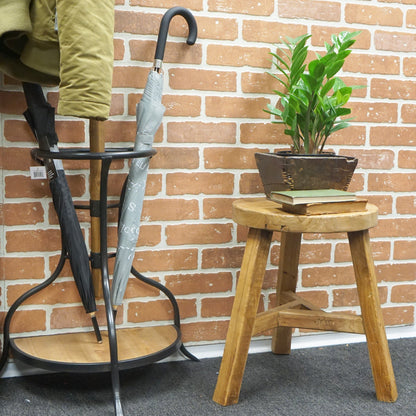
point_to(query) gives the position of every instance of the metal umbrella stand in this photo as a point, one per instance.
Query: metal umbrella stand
(149, 113)
(40, 115)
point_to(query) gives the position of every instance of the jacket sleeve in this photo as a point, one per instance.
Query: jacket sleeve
(85, 30)
(29, 49)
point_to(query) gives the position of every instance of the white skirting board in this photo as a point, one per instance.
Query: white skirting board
(17, 369)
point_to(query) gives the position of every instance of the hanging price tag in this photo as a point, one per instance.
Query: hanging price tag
(37, 172)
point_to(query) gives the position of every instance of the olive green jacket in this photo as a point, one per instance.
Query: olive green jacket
(63, 42)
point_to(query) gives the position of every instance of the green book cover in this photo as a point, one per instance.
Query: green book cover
(312, 195)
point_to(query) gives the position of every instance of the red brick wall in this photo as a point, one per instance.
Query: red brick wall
(214, 95)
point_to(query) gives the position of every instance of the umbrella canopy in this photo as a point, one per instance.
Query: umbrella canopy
(40, 116)
(149, 113)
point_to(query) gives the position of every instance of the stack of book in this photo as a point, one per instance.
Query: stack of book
(318, 201)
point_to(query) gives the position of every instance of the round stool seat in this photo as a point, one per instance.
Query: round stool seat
(264, 214)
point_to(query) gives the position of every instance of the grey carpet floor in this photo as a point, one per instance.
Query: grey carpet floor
(328, 381)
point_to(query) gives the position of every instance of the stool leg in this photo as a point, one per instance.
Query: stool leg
(243, 316)
(378, 348)
(286, 280)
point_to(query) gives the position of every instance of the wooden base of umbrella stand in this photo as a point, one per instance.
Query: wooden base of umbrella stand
(79, 352)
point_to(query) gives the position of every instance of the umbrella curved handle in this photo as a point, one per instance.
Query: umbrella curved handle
(164, 27)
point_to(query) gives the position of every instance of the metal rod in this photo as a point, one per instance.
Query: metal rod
(112, 336)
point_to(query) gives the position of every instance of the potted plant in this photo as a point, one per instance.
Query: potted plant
(312, 107)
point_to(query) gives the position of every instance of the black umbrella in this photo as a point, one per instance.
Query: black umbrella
(41, 117)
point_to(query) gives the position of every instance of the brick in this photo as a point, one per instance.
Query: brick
(200, 132)
(191, 4)
(16, 158)
(175, 158)
(144, 50)
(204, 331)
(392, 182)
(305, 9)
(325, 276)
(349, 297)
(322, 34)
(371, 159)
(160, 310)
(398, 315)
(372, 64)
(384, 203)
(394, 41)
(170, 209)
(407, 159)
(228, 257)
(17, 131)
(237, 56)
(230, 158)
(270, 32)
(409, 66)
(403, 293)
(398, 272)
(185, 284)
(117, 105)
(12, 102)
(256, 8)
(133, 22)
(373, 15)
(250, 183)
(397, 227)
(393, 89)
(351, 136)
(406, 205)
(216, 306)
(184, 234)
(62, 292)
(129, 77)
(263, 133)
(138, 289)
(398, 1)
(33, 240)
(67, 131)
(217, 207)
(166, 260)
(28, 213)
(253, 82)
(411, 19)
(22, 267)
(404, 250)
(125, 131)
(392, 136)
(119, 49)
(217, 28)
(408, 113)
(380, 251)
(236, 107)
(202, 80)
(28, 321)
(374, 112)
(198, 183)
(309, 254)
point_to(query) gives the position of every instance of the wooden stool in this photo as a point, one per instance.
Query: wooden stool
(263, 217)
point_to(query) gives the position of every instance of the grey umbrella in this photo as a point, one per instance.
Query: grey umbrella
(149, 113)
